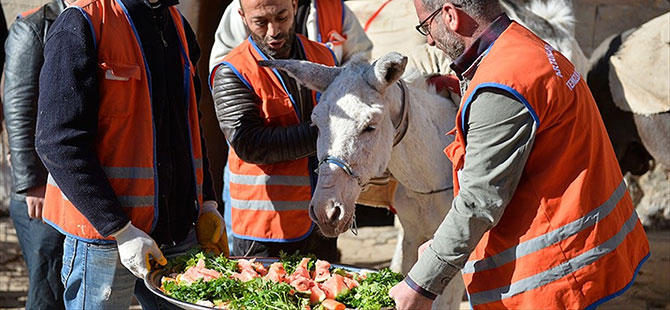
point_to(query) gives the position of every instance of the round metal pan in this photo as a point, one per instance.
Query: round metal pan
(153, 281)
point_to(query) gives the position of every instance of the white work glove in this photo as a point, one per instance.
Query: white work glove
(211, 229)
(137, 250)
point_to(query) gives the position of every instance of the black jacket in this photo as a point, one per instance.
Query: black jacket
(23, 49)
(238, 111)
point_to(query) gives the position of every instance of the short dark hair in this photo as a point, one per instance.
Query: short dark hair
(486, 10)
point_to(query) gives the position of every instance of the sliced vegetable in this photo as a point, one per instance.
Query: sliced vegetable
(331, 304)
(208, 279)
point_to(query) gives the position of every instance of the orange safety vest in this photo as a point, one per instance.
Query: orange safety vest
(329, 20)
(125, 137)
(570, 237)
(270, 202)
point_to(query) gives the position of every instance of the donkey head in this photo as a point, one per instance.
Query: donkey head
(355, 131)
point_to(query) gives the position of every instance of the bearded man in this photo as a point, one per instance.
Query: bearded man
(265, 116)
(541, 218)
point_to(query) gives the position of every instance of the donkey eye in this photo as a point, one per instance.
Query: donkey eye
(370, 128)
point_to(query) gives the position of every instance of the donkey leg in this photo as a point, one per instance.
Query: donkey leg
(413, 234)
(396, 261)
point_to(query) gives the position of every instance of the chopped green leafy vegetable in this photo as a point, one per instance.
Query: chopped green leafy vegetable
(261, 293)
(373, 292)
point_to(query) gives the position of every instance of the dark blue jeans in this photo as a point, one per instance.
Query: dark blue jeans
(42, 248)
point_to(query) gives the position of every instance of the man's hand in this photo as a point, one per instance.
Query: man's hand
(137, 250)
(35, 201)
(445, 82)
(211, 229)
(407, 298)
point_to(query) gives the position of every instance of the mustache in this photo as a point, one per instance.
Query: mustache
(281, 36)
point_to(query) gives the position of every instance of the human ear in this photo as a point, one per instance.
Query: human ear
(450, 16)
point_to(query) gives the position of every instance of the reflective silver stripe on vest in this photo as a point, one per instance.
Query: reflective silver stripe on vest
(129, 172)
(126, 201)
(552, 237)
(52, 182)
(266, 205)
(269, 180)
(557, 272)
(136, 201)
(198, 163)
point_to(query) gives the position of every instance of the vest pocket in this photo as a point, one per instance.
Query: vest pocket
(119, 83)
(115, 71)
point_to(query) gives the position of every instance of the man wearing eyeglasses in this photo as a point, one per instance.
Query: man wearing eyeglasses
(541, 216)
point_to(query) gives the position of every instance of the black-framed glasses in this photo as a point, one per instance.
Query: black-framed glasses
(424, 26)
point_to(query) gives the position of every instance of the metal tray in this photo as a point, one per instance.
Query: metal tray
(153, 281)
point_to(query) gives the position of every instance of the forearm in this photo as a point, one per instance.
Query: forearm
(68, 119)
(500, 137)
(253, 141)
(22, 67)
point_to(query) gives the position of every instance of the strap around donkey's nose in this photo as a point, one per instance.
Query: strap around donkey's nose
(340, 163)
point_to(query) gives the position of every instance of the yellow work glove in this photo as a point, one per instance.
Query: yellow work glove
(211, 229)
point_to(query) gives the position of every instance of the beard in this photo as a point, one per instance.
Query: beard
(284, 51)
(447, 41)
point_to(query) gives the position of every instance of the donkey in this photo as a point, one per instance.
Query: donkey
(371, 121)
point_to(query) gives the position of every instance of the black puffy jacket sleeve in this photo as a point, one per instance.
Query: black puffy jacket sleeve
(238, 111)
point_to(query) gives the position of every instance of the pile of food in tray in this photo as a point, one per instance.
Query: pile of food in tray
(290, 282)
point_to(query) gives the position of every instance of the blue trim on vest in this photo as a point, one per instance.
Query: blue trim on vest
(316, 21)
(237, 72)
(295, 106)
(343, 10)
(621, 291)
(332, 53)
(506, 88)
(90, 23)
(153, 122)
(301, 238)
(62, 231)
(187, 103)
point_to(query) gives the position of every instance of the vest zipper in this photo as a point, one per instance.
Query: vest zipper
(163, 38)
(158, 23)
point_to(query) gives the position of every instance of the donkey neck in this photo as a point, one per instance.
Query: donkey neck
(418, 161)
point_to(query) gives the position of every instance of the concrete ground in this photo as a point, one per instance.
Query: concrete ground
(373, 247)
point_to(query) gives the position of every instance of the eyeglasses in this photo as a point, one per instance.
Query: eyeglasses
(424, 27)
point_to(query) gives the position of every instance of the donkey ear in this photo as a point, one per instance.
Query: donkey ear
(386, 70)
(315, 76)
